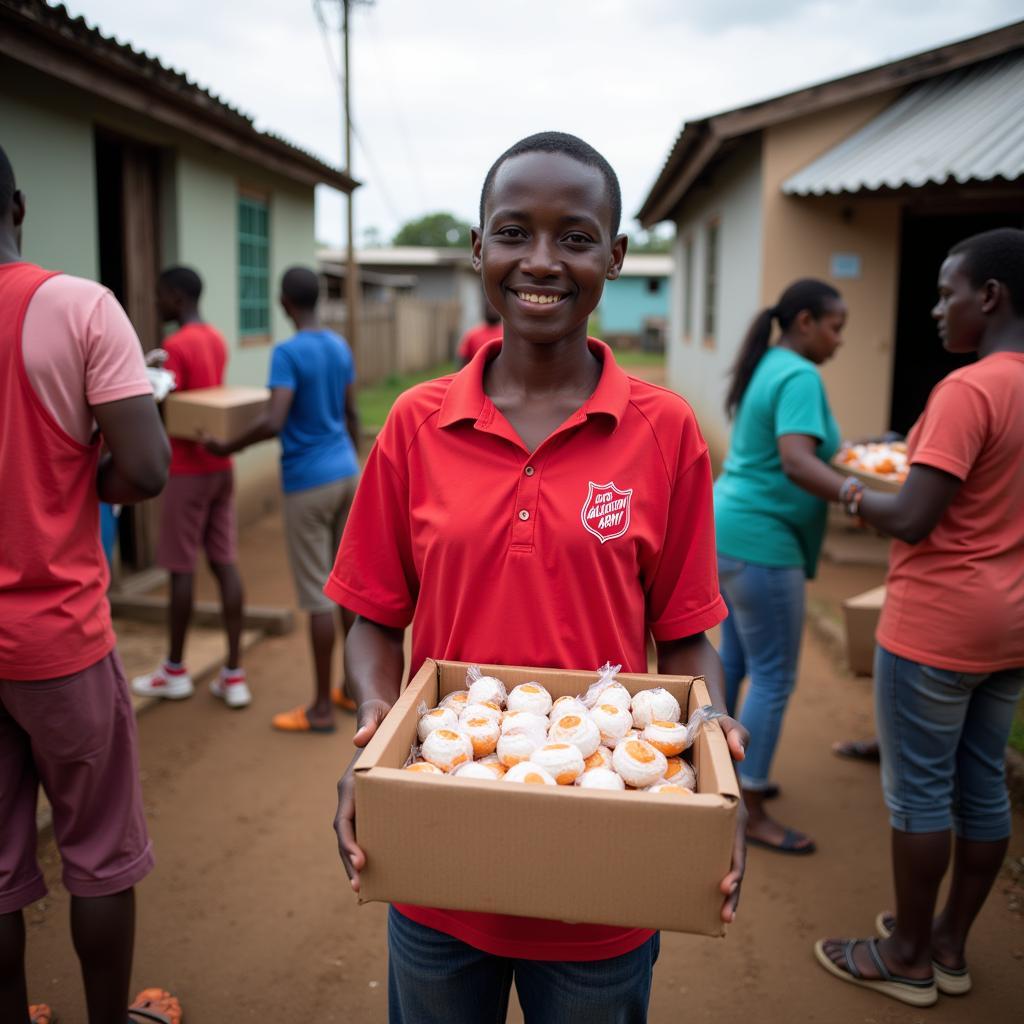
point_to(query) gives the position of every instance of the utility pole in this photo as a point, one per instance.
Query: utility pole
(352, 289)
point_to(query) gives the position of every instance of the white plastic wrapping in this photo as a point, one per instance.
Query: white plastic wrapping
(527, 771)
(529, 697)
(435, 718)
(654, 705)
(668, 737)
(579, 730)
(484, 688)
(600, 778)
(563, 760)
(638, 763)
(447, 748)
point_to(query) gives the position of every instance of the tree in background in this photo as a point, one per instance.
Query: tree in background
(657, 240)
(443, 229)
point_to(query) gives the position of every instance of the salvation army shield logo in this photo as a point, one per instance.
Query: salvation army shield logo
(605, 513)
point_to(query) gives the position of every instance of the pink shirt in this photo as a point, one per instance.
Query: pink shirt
(80, 349)
(956, 600)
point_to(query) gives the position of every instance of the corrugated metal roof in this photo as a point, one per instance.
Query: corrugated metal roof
(964, 126)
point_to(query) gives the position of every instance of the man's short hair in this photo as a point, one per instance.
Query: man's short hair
(301, 287)
(996, 255)
(571, 146)
(7, 185)
(184, 280)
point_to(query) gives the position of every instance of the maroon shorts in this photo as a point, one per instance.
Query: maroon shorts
(76, 736)
(198, 508)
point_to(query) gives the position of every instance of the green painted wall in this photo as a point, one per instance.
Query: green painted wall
(51, 151)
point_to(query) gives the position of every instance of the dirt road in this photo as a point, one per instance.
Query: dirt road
(248, 915)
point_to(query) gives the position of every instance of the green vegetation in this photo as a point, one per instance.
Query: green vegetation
(440, 229)
(1017, 731)
(637, 357)
(374, 401)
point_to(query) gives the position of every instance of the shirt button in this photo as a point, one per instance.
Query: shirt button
(529, 471)
(524, 515)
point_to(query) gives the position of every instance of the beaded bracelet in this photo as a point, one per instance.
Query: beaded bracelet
(851, 492)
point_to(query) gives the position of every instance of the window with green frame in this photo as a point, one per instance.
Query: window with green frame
(253, 266)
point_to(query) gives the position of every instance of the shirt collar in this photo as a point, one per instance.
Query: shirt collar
(465, 398)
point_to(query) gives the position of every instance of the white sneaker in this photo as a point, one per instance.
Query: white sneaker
(164, 682)
(231, 688)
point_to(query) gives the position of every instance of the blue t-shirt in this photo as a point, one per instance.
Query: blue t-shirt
(761, 516)
(315, 445)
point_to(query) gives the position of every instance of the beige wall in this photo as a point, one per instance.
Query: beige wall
(697, 367)
(801, 234)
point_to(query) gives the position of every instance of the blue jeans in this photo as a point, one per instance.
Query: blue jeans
(943, 740)
(762, 636)
(434, 978)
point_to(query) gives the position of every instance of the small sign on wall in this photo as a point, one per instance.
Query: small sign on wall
(845, 266)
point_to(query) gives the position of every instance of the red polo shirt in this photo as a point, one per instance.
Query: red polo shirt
(565, 557)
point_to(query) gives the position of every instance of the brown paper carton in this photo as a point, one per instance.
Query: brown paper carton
(632, 859)
(221, 413)
(862, 613)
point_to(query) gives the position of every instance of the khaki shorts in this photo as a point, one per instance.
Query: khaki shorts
(313, 523)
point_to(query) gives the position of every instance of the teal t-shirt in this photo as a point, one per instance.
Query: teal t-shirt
(760, 515)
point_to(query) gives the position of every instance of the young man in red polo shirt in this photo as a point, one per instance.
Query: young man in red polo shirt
(199, 503)
(71, 373)
(468, 515)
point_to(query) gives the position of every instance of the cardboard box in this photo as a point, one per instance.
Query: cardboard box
(618, 858)
(222, 413)
(862, 613)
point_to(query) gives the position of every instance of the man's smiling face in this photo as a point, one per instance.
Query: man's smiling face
(546, 247)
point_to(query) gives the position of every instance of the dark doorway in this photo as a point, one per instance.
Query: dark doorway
(127, 209)
(920, 361)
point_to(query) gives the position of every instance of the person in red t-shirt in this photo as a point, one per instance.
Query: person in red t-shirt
(476, 337)
(949, 660)
(467, 522)
(199, 503)
(72, 383)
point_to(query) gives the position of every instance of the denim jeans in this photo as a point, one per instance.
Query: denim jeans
(761, 636)
(434, 978)
(943, 741)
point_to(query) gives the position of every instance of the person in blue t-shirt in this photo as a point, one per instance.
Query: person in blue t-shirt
(312, 410)
(769, 523)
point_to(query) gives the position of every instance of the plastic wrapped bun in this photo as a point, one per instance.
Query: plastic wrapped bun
(579, 730)
(600, 758)
(423, 768)
(600, 778)
(566, 706)
(639, 764)
(437, 718)
(482, 732)
(656, 705)
(457, 701)
(529, 697)
(668, 737)
(613, 722)
(484, 688)
(605, 677)
(669, 787)
(681, 772)
(492, 762)
(526, 720)
(447, 748)
(616, 694)
(527, 771)
(517, 746)
(563, 760)
(475, 770)
(488, 710)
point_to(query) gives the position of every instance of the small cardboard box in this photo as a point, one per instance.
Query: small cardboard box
(221, 413)
(631, 859)
(862, 613)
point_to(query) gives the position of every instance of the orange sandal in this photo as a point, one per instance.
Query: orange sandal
(342, 700)
(297, 720)
(156, 1006)
(40, 1014)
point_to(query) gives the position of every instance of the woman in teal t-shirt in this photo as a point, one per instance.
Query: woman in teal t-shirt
(770, 528)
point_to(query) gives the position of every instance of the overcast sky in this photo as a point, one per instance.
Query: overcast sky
(441, 88)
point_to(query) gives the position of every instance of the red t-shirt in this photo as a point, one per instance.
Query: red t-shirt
(566, 557)
(197, 355)
(476, 337)
(956, 600)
